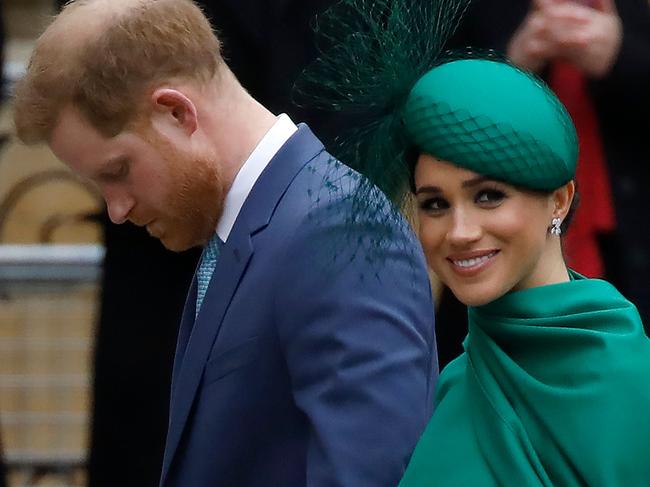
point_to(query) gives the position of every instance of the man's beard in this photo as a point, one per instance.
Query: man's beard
(195, 202)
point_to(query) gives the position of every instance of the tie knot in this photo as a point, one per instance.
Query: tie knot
(213, 248)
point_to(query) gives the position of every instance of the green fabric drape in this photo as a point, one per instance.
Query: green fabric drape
(553, 390)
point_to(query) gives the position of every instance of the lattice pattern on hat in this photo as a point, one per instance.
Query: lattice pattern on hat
(494, 150)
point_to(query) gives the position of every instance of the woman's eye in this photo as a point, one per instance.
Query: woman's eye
(434, 204)
(490, 196)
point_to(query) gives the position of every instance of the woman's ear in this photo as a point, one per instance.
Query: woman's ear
(174, 110)
(562, 199)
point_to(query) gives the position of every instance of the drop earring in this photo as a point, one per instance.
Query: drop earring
(555, 227)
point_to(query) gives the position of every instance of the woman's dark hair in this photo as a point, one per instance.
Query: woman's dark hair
(411, 157)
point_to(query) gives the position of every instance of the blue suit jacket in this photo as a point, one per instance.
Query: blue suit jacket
(312, 360)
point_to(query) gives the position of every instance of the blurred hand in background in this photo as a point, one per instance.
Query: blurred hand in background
(587, 34)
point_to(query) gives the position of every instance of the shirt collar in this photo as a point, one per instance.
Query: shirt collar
(266, 149)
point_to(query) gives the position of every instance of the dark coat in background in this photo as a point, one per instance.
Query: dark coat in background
(622, 102)
(144, 288)
(2, 96)
(267, 44)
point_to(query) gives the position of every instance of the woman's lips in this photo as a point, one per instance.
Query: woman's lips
(469, 264)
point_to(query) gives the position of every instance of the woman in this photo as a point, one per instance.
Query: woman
(553, 387)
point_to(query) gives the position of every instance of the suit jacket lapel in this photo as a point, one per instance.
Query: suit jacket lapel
(189, 363)
(187, 323)
(196, 338)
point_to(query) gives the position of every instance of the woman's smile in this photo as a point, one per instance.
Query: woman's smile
(470, 264)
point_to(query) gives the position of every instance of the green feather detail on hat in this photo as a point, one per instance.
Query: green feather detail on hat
(372, 52)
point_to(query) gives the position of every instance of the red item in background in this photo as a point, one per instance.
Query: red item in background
(595, 213)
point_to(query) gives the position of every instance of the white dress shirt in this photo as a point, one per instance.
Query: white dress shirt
(273, 140)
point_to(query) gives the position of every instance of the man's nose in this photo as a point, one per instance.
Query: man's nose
(119, 205)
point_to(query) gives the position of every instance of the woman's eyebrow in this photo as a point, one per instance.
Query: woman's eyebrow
(475, 181)
(428, 189)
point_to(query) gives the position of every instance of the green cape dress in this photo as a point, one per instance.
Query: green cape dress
(553, 390)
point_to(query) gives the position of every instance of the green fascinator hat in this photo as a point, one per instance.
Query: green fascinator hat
(383, 63)
(492, 118)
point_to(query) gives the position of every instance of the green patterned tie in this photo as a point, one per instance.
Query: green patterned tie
(206, 269)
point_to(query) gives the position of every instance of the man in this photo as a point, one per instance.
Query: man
(267, 45)
(306, 353)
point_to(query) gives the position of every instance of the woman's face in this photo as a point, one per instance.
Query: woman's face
(482, 237)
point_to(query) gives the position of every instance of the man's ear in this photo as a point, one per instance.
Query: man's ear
(174, 110)
(562, 199)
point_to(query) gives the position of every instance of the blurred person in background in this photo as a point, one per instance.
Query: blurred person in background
(320, 390)
(266, 44)
(595, 55)
(3, 88)
(3, 472)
